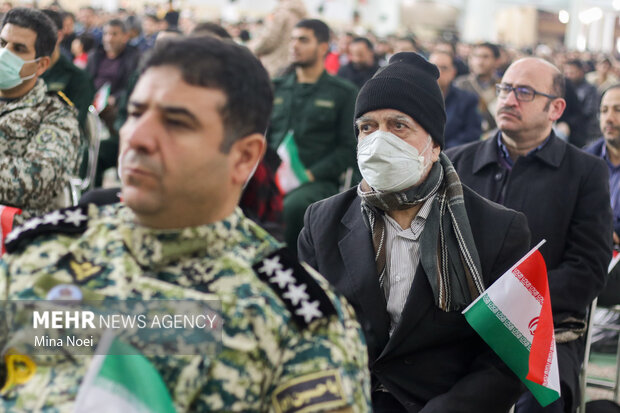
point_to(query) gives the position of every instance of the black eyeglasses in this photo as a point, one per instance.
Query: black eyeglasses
(522, 93)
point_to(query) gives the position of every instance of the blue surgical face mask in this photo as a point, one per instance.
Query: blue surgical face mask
(10, 66)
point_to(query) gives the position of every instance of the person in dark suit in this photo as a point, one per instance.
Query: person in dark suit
(363, 64)
(463, 121)
(564, 193)
(381, 244)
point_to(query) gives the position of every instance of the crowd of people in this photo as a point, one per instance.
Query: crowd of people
(343, 196)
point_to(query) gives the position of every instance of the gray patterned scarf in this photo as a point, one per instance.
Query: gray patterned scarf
(447, 250)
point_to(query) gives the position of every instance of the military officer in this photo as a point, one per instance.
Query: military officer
(192, 138)
(312, 112)
(39, 134)
(66, 77)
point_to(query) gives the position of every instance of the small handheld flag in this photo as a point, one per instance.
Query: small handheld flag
(123, 381)
(291, 173)
(514, 317)
(7, 215)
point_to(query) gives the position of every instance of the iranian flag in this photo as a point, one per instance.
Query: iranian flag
(120, 379)
(614, 260)
(291, 173)
(100, 100)
(7, 215)
(514, 317)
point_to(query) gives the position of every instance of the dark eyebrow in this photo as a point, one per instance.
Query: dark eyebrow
(138, 105)
(16, 45)
(171, 110)
(513, 85)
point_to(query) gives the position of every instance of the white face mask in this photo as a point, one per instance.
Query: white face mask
(388, 163)
(10, 67)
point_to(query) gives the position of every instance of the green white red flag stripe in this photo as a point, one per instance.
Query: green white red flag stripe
(122, 380)
(100, 101)
(614, 260)
(291, 173)
(513, 316)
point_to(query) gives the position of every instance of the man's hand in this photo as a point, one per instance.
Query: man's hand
(616, 238)
(310, 175)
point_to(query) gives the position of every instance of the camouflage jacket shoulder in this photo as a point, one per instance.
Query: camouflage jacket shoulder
(39, 141)
(266, 358)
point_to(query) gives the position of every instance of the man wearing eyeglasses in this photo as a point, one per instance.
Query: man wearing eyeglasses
(563, 192)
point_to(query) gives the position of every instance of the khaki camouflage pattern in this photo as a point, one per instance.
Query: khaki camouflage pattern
(39, 146)
(262, 348)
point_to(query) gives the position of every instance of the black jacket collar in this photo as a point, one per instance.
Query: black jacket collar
(551, 154)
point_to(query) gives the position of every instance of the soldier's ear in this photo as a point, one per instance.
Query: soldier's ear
(244, 155)
(43, 64)
(323, 48)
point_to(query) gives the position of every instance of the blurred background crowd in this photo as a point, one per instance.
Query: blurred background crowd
(472, 42)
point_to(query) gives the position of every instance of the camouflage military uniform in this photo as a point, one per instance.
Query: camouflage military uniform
(39, 146)
(271, 346)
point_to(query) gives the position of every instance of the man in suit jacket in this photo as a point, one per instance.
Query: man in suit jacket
(382, 244)
(563, 192)
(463, 121)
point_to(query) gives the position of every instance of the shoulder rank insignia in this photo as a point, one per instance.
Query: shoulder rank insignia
(62, 97)
(301, 293)
(73, 220)
(82, 272)
(310, 393)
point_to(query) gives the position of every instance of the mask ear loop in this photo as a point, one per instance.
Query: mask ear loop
(247, 181)
(35, 72)
(428, 144)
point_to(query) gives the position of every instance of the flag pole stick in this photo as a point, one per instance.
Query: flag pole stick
(526, 256)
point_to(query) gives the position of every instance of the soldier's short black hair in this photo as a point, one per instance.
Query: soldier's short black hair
(491, 46)
(318, 27)
(363, 40)
(66, 14)
(87, 40)
(39, 23)
(226, 66)
(117, 23)
(409, 38)
(210, 28)
(151, 16)
(576, 63)
(54, 16)
(450, 55)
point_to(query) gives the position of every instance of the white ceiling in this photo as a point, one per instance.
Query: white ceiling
(552, 5)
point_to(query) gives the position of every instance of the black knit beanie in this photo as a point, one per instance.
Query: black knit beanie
(408, 84)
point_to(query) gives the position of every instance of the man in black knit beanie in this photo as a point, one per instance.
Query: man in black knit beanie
(410, 248)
